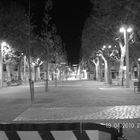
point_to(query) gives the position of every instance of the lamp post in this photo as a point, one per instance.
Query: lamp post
(126, 30)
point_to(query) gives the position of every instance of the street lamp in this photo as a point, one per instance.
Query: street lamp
(103, 47)
(125, 30)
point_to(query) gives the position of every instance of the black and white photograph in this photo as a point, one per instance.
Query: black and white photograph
(69, 69)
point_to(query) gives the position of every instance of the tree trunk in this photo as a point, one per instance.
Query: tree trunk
(79, 72)
(19, 70)
(55, 75)
(101, 69)
(38, 73)
(106, 71)
(121, 78)
(98, 70)
(109, 73)
(46, 79)
(132, 69)
(30, 68)
(31, 83)
(8, 72)
(35, 73)
(24, 69)
(60, 73)
(96, 73)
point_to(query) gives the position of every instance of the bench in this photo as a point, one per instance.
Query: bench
(14, 83)
(136, 85)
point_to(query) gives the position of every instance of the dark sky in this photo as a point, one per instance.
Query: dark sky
(69, 17)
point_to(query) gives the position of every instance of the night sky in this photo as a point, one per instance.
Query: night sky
(69, 17)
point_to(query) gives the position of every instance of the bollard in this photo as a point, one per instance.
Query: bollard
(32, 90)
(122, 81)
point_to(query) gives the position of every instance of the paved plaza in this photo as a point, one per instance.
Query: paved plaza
(80, 113)
(84, 101)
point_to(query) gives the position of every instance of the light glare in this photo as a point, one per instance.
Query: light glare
(122, 29)
(129, 30)
(3, 44)
(104, 47)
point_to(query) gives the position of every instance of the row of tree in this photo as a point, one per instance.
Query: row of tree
(18, 27)
(101, 39)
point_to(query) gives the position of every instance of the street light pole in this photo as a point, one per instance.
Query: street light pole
(127, 59)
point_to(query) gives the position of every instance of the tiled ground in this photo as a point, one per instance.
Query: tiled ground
(83, 113)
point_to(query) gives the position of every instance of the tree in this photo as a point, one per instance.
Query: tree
(104, 22)
(50, 42)
(16, 29)
(14, 25)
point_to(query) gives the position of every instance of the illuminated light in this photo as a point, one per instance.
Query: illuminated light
(62, 63)
(129, 30)
(138, 59)
(33, 63)
(104, 47)
(5, 47)
(3, 44)
(97, 54)
(38, 59)
(122, 29)
(41, 63)
(109, 46)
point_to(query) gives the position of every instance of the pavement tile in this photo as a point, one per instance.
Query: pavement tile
(83, 113)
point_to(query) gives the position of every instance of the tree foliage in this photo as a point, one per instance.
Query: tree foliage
(106, 17)
(21, 30)
(14, 27)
